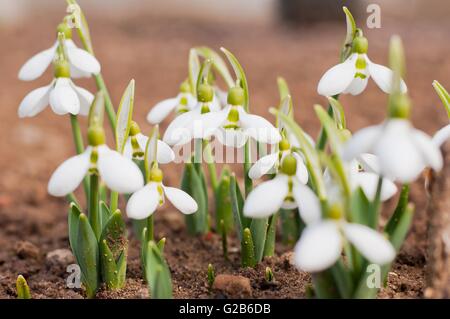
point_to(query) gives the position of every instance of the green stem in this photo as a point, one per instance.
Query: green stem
(322, 141)
(71, 198)
(94, 217)
(150, 228)
(247, 166)
(198, 149)
(108, 104)
(375, 207)
(114, 200)
(211, 165)
(79, 146)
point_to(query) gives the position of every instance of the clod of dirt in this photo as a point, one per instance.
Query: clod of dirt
(230, 286)
(57, 260)
(27, 250)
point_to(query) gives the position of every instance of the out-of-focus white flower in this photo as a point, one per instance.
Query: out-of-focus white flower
(321, 244)
(119, 173)
(361, 172)
(82, 63)
(352, 75)
(144, 202)
(137, 142)
(441, 136)
(285, 190)
(62, 95)
(402, 151)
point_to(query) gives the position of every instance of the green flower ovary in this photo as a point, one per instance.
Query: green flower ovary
(65, 29)
(289, 165)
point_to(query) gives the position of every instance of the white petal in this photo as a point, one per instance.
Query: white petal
(161, 109)
(308, 203)
(222, 96)
(361, 142)
(441, 136)
(369, 183)
(144, 202)
(36, 65)
(208, 123)
(357, 85)
(431, 153)
(231, 137)
(165, 153)
(81, 59)
(263, 165)
(118, 172)
(128, 149)
(85, 97)
(383, 77)
(76, 73)
(181, 200)
(371, 244)
(319, 247)
(69, 174)
(63, 98)
(302, 171)
(400, 158)
(34, 102)
(258, 128)
(267, 198)
(215, 104)
(179, 130)
(338, 78)
(369, 163)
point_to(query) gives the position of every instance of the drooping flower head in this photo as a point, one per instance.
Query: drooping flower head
(119, 173)
(136, 143)
(352, 75)
(81, 62)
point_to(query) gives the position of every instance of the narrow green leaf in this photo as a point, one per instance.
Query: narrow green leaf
(223, 202)
(359, 206)
(211, 276)
(217, 62)
(237, 204)
(258, 228)
(73, 221)
(269, 245)
(324, 285)
(157, 273)
(443, 95)
(329, 125)
(247, 249)
(194, 69)
(96, 111)
(105, 214)
(109, 268)
(343, 279)
(283, 88)
(88, 256)
(224, 235)
(124, 115)
(338, 113)
(23, 291)
(290, 226)
(161, 244)
(349, 35)
(240, 76)
(203, 73)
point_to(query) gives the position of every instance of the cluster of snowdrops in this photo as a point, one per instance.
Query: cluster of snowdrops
(326, 193)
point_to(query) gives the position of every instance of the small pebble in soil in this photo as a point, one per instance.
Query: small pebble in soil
(57, 260)
(230, 286)
(27, 250)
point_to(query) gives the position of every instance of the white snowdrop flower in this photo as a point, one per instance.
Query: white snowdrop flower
(233, 126)
(62, 95)
(82, 63)
(195, 123)
(285, 190)
(119, 173)
(272, 162)
(145, 201)
(352, 75)
(136, 143)
(321, 243)
(441, 136)
(402, 151)
(361, 172)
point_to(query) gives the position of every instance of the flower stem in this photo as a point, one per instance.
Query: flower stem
(211, 165)
(247, 165)
(79, 146)
(375, 207)
(108, 104)
(114, 199)
(94, 216)
(198, 148)
(322, 141)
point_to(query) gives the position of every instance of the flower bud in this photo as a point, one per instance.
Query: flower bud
(64, 29)
(156, 175)
(284, 145)
(205, 93)
(61, 68)
(360, 45)
(134, 128)
(399, 106)
(289, 165)
(185, 87)
(235, 96)
(96, 135)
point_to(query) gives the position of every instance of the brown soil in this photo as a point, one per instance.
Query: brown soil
(154, 52)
